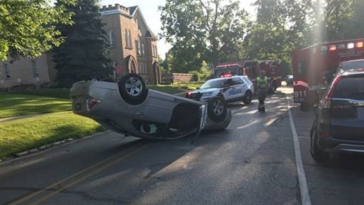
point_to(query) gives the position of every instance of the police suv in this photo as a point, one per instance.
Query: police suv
(231, 89)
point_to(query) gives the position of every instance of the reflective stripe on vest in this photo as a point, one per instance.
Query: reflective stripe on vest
(262, 83)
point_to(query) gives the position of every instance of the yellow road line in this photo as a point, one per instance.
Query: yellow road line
(17, 202)
(85, 177)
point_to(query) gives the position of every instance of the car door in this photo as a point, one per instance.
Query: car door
(248, 85)
(239, 88)
(228, 89)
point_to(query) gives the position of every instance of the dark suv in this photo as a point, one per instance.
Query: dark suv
(339, 122)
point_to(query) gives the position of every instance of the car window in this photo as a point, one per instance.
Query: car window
(352, 65)
(351, 87)
(213, 84)
(238, 81)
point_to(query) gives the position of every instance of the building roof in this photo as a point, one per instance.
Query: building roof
(128, 12)
(133, 11)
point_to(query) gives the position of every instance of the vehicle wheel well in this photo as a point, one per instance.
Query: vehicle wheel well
(184, 117)
(220, 95)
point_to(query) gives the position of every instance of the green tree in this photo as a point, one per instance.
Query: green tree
(267, 36)
(27, 27)
(84, 54)
(281, 26)
(352, 27)
(199, 30)
(337, 14)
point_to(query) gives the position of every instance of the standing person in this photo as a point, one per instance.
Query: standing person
(262, 88)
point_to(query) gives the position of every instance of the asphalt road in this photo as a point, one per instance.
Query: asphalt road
(252, 162)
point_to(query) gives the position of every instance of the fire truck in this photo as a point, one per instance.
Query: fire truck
(314, 66)
(251, 69)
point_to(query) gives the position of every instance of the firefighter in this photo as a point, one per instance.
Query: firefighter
(262, 88)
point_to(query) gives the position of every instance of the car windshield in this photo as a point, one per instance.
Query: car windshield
(353, 65)
(213, 84)
(351, 88)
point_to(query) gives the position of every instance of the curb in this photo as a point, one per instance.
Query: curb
(47, 147)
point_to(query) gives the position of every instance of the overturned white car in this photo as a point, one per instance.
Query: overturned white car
(130, 108)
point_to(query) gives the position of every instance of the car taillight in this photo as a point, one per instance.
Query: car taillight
(326, 102)
(189, 94)
(93, 103)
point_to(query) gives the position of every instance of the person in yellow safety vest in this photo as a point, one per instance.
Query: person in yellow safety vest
(262, 88)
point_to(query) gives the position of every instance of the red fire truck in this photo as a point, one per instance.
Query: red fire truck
(251, 69)
(313, 66)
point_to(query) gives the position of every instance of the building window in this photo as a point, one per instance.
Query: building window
(6, 71)
(35, 69)
(143, 50)
(128, 39)
(154, 51)
(139, 47)
(112, 38)
(143, 68)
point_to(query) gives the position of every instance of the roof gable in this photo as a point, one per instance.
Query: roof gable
(135, 9)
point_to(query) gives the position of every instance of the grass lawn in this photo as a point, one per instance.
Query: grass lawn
(49, 92)
(176, 87)
(166, 88)
(16, 105)
(21, 135)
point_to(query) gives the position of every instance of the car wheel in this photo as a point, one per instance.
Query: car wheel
(132, 89)
(316, 153)
(216, 109)
(248, 98)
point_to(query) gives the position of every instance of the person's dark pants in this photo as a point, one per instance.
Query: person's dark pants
(261, 94)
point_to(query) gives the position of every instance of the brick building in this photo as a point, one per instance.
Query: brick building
(133, 44)
(133, 48)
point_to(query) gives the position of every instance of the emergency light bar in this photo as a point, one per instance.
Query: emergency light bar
(359, 44)
(333, 48)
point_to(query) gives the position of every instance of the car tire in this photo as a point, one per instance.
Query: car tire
(132, 89)
(248, 98)
(216, 109)
(315, 151)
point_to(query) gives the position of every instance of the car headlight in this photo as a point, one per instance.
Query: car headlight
(208, 94)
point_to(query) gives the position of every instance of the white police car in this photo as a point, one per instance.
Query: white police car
(231, 89)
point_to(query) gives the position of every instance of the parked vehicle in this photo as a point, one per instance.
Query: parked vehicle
(128, 107)
(252, 69)
(231, 89)
(353, 64)
(315, 66)
(339, 122)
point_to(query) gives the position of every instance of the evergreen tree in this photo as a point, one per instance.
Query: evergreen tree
(84, 55)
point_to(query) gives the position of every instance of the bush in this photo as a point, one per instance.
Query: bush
(202, 75)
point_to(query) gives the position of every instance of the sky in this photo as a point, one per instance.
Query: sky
(151, 14)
